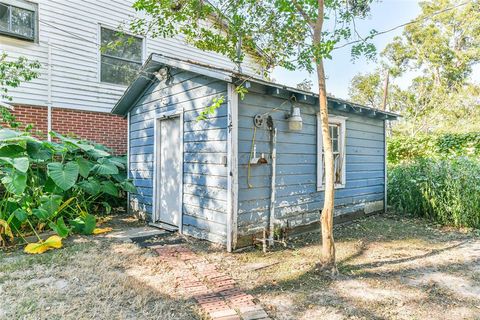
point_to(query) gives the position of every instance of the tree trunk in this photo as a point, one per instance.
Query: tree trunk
(328, 246)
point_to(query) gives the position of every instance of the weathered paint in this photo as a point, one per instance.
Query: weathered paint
(298, 201)
(205, 150)
(218, 203)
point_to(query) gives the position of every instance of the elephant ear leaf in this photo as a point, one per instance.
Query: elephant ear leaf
(90, 186)
(84, 224)
(59, 227)
(128, 186)
(20, 164)
(12, 151)
(105, 166)
(8, 134)
(38, 151)
(84, 166)
(15, 182)
(20, 214)
(53, 242)
(64, 175)
(110, 188)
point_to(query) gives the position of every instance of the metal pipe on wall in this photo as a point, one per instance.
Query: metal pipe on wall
(272, 196)
(49, 98)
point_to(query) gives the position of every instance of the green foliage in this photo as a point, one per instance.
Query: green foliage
(283, 30)
(56, 185)
(446, 191)
(404, 148)
(14, 72)
(441, 49)
(216, 103)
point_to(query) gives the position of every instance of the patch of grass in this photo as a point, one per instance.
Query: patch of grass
(90, 279)
(382, 260)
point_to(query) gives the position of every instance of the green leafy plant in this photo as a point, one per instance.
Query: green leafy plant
(444, 190)
(59, 185)
(403, 148)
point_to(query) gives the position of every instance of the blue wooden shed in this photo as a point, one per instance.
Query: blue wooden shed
(255, 164)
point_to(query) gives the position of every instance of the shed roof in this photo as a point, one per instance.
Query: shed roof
(156, 61)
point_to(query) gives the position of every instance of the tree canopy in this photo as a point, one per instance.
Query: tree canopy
(440, 49)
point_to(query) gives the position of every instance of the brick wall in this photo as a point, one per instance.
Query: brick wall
(107, 129)
(36, 116)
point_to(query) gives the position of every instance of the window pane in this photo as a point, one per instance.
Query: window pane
(118, 71)
(334, 132)
(4, 16)
(23, 22)
(338, 167)
(335, 145)
(121, 46)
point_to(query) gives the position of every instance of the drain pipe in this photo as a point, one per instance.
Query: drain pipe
(49, 98)
(272, 196)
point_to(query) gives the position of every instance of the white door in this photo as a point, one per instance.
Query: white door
(170, 170)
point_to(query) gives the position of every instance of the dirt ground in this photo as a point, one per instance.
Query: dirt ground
(390, 268)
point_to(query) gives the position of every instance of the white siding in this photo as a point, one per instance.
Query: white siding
(72, 29)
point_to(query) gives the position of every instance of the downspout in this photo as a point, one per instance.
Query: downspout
(232, 167)
(385, 166)
(272, 195)
(128, 160)
(49, 90)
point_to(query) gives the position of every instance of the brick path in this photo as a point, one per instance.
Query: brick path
(216, 292)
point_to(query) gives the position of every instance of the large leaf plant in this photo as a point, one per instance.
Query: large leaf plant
(57, 185)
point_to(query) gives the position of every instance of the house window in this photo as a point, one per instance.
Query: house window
(19, 19)
(337, 134)
(121, 56)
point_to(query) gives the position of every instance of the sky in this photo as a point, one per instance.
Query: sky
(340, 70)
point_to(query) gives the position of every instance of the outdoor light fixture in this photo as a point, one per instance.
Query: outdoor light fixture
(162, 74)
(295, 122)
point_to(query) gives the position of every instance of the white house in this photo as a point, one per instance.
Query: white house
(79, 84)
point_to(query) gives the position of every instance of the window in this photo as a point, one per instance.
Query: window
(121, 56)
(337, 133)
(18, 19)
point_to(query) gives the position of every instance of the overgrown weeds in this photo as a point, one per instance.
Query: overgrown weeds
(444, 190)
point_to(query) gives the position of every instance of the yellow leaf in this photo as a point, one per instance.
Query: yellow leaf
(101, 230)
(53, 242)
(5, 229)
(102, 220)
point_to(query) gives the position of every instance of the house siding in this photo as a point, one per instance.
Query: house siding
(71, 30)
(297, 200)
(205, 151)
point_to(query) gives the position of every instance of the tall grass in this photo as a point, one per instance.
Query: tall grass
(447, 191)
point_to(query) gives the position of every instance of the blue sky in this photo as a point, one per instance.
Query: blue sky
(340, 70)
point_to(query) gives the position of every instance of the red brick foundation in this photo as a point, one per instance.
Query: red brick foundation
(104, 128)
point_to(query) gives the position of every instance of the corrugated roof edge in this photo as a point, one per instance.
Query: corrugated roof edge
(155, 61)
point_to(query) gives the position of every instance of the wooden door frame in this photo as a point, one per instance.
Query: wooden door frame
(156, 159)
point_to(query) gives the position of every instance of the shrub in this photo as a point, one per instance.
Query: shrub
(405, 148)
(444, 190)
(56, 185)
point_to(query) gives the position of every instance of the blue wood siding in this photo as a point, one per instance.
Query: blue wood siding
(297, 199)
(205, 148)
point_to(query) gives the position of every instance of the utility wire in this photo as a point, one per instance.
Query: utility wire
(404, 24)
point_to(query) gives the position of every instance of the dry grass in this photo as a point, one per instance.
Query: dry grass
(390, 268)
(91, 278)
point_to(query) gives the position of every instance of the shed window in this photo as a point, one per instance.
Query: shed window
(337, 134)
(121, 56)
(19, 20)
